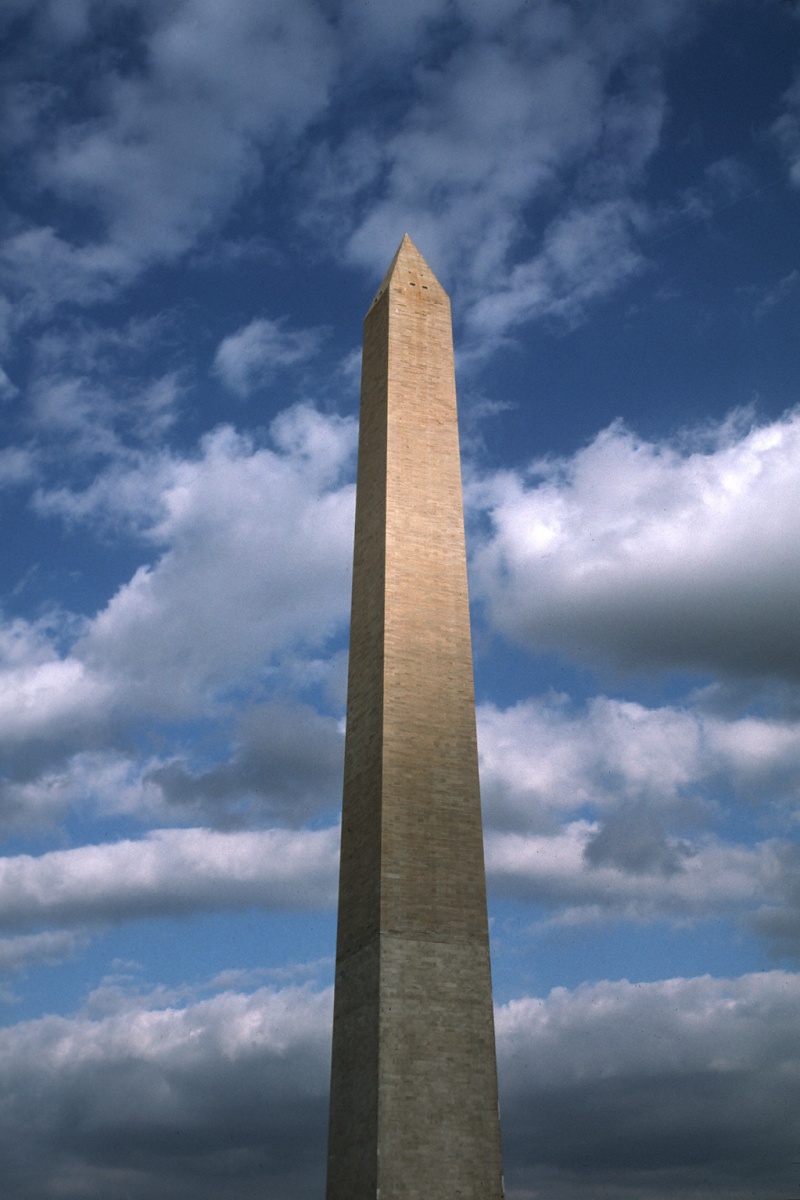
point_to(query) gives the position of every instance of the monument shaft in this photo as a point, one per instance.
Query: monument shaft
(413, 1079)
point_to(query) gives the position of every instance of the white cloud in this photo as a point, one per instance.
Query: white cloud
(258, 545)
(598, 814)
(647, 1089)
(16, 465)
(520, 104)
(171, 145)
(540, 105)
(286, 765)
(7, 389)
(44, 696)
(92, 389)
(463, 139)
(247, 359)
(653, 555)
(227, 1093)
(104, 782)
(258, 560)
(542, 759)
(617, 1089)
(44, 268)
(128, 496)
(96, 419)
(463, 143)
(27, 950)
(779, 920)
(585, 254)
(169, 871)
(616, 811)
(701, 880)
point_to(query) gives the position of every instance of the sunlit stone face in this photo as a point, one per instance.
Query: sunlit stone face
(413, 1086)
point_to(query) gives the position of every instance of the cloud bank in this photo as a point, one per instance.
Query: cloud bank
(655, 1083)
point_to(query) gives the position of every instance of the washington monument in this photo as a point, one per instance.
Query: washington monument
(413, 1078)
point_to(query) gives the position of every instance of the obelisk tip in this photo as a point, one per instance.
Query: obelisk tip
(407, 262)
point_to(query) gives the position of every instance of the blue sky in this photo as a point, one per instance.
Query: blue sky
(199, 202)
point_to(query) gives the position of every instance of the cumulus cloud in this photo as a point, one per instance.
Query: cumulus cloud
(547, 105)
(168, 872)
(582, 879)
(622, 1089)
(283, 763)
(520, 105)
(27, 950)
(178, 136)
(45, 268)
(544, 758)
(463, 137)
(256, 556)
(43, 793)
(228, 1093)
(98, 421)
(249, 357)
(648, 555)
(517, 146)
(597, 814)
(780, 920)
(258, 562)
(541, 760)
(92, 390)
(610, 811)
(287, 764)
(43, 696)
(616, 1089)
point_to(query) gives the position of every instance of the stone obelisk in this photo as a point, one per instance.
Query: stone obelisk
(413, 1080)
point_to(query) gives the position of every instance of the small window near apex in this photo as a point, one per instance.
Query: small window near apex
(425, 286)
(411, 282)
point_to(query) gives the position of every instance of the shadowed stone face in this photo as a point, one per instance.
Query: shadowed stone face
(413, 1081)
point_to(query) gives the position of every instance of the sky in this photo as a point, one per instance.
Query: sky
(199, 201)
